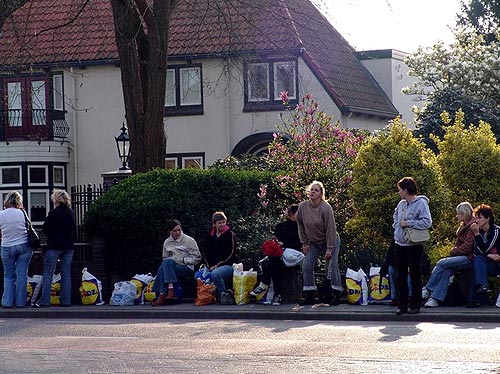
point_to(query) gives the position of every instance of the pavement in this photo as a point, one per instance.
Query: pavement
(319, 312)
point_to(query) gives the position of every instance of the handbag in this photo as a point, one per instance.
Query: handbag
(416, 236)
(33, 238)
(292, 257)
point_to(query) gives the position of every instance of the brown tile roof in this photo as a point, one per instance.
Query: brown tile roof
(55, 32)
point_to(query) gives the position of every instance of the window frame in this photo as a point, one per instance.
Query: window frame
(274, 102)
(181, 158)
(47, 203)
(180, 109)
(63, 183)
(19, 167)
(55, 92)
(38, 184)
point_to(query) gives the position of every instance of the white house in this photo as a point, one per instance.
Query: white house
(62, 103)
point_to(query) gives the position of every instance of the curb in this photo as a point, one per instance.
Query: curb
(375, 313)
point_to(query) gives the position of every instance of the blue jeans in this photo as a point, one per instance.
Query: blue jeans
(169, 272)
(49, 266)
(482, 268)
(333, 271)
(440, 277)
(221, 276)
(16, 260)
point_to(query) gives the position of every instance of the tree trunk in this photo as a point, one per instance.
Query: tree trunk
(141, 33)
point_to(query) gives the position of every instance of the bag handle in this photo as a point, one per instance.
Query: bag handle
(27, 222)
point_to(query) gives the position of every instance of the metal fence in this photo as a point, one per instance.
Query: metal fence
(81, 198)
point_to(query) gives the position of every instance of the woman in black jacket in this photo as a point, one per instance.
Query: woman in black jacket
(219, 252)
(59, 226)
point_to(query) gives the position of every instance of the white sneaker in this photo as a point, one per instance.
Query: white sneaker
(431, 303)
(425, 293)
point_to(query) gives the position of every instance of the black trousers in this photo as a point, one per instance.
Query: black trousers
(409, 257)
(272, 268)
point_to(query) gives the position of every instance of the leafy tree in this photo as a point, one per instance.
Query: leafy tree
(480, 15)
(310, 147)
(462, 75)
(469, 158)
(383, 160)
(449, 100)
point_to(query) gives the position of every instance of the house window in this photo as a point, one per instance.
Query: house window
(185, 161)
(58, 175)
(38, 203)
(58, 92)
(183, 91)
(38, 103)
(284, 79)
(11, 176)
(258, 82)
(37, 175)
(265, 80)
(26, 105)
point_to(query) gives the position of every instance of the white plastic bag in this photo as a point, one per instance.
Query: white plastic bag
(292, 257)
(357, 287)
(33, 287)
(55, 290)
(497, 304)
(123, 294)
(91, 289)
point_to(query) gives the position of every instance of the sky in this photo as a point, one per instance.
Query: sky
(392, 24)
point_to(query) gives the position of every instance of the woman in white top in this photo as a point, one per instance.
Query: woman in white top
(16, 253)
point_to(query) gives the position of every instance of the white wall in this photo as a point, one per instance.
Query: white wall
(95, 112)
(391, 73)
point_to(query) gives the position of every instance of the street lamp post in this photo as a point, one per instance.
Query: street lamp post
(123, 145)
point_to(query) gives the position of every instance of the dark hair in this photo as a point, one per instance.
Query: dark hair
(292, 209)
(172, 223)
(486, 211)
(408, 184)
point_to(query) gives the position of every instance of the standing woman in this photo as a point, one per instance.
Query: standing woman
(16, 253)
(318, 235)
(219, 252)
(411, 212)
(59, 226)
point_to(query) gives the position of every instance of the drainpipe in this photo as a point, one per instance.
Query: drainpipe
(228, 106)
(74, 148)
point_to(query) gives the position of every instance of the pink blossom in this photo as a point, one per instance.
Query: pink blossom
(284, 97)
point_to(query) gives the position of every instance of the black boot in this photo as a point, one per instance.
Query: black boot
(335, 300)
(309, 298)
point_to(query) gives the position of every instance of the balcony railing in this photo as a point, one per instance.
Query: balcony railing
(35, 124)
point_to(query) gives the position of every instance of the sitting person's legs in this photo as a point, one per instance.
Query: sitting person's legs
(221, 277)
(168, 274)
(440, 276)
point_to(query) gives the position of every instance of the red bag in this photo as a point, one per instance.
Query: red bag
(271, 248)
(205, 293)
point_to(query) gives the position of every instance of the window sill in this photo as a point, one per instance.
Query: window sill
(195, 110)
(267, 106)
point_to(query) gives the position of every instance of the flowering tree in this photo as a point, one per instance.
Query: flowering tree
(310, 147)
(467, 71)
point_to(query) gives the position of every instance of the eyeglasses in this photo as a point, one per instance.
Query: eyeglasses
(315, 189)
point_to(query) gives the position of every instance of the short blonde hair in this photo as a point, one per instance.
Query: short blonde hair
(13, 200)
(466, 209)
(60, 197)
(320, 185)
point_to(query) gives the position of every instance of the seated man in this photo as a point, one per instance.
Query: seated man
(180, 255)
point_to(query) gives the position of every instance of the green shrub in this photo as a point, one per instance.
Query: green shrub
(131, 216)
